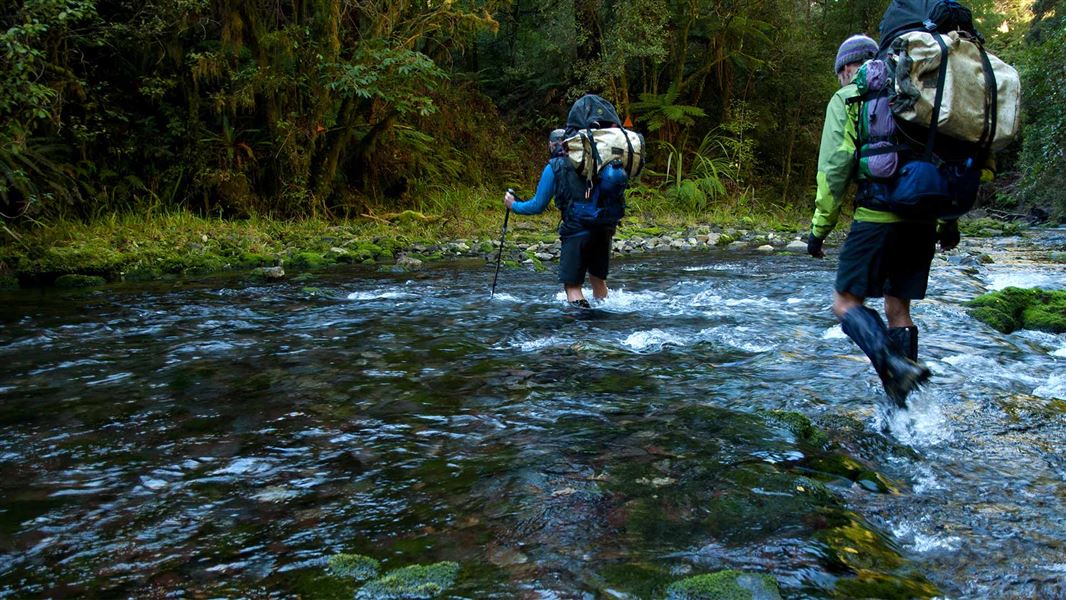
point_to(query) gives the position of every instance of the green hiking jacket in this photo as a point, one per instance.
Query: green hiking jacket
(836, 165)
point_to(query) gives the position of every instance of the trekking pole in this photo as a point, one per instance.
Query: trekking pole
(499, 255)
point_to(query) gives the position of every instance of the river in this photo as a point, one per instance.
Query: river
(224, 438)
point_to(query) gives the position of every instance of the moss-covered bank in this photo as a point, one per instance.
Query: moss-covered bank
(147, 247)
(1014, 308)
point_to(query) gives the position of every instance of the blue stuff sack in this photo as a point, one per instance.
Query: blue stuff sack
(606, 204)
(925, 190)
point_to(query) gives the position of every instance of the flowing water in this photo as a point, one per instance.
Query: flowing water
(221, 438)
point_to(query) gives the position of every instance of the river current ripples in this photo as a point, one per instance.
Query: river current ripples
(224, 438)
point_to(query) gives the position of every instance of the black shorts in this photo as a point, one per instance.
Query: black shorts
(589, 252)
(892, 259)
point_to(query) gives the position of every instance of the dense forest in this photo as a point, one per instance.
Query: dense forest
(330, 108)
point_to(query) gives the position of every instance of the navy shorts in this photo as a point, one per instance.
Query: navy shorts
(590, 252)
(892, 259)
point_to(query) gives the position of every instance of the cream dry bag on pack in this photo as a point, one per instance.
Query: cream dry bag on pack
(591, 150)
(980, 94)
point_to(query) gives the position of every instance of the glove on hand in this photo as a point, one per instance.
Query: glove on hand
(948, 235)
(814, 246)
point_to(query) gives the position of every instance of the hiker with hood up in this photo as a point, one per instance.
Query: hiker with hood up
(884, 255)
(589, 193)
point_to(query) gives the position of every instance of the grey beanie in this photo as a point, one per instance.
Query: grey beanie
(855, 49)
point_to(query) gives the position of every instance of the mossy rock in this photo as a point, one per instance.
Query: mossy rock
(800, 426)
(538, 264)
(853, 545)
(353, 566)
(361, 251)
(92, 256)
(640, 580)
(413, 582)
(986, 227)
(1014, 308)
(848, 468)
(307, 260)
(251, 260)
(724, 240)
(9, 283)
(725, 585)
(870, 584)
(79, 281)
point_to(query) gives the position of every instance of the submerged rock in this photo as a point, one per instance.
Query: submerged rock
(725, 585)
(353, 566)
(413, 582)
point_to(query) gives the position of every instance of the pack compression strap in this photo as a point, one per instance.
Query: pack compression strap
(991, 101)
(934, 120)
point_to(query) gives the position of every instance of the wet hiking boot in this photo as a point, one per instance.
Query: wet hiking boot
(906, 339)
(899, 374)
(582, 303)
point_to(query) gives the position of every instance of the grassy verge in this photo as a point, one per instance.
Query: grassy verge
(155, 245)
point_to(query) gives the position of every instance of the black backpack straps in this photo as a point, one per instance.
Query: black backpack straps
(629, 158)
(941, 78)
(988, 132)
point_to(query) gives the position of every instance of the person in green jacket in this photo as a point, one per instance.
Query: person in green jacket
(884, 255)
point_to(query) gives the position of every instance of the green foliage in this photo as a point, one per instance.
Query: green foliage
(662, 111)
(1043, 158)
(334, 109)
(79, 281)
(1014, 308)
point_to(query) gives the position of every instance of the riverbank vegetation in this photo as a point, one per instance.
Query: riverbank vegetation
(215, 119)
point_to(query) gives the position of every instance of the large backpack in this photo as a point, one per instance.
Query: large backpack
(605, 155)
(935, 104)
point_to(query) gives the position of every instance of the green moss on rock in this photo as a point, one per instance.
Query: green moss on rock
(725, 585)
(353, 566)
(307, 260)
(855, 546)
(1014, 308)
(252, 259)
(869, 584)
(363, 251)
(413, 582)
(801, 427)
(79, 281)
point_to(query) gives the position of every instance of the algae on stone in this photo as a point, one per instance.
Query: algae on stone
(413, 582)
(353, 566)
(1014, 308)
(725, 585)
(869, 584)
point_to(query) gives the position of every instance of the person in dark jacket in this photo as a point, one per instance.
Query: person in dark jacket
(586, 243)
